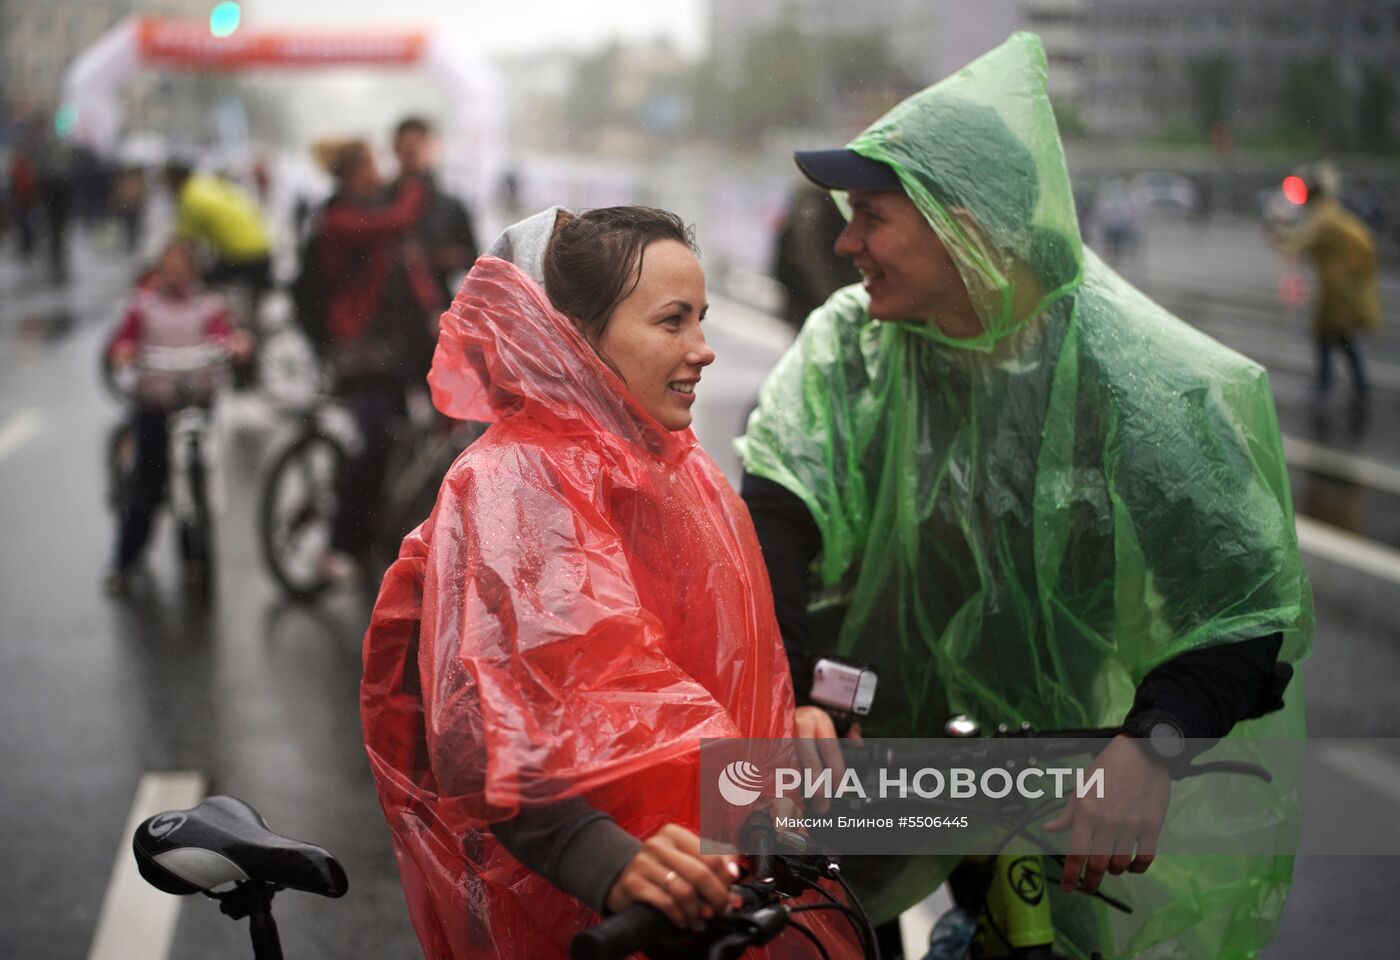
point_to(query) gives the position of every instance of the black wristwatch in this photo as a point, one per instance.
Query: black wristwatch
(1161, 736)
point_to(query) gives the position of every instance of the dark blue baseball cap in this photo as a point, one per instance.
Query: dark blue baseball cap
(846, 170)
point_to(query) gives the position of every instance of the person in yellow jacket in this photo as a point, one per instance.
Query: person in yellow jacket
(225, 217)
(1347, 300)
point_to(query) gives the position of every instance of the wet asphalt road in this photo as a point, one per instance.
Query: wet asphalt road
(260, 694)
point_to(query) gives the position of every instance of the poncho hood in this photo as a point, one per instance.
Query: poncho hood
(979, 154)
(503, 348)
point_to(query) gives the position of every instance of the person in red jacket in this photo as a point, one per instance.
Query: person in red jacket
(360, 238)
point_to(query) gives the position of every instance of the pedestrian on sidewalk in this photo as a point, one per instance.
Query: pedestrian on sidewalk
(1347, 301)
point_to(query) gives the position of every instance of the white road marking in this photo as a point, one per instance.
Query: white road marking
(137, 920)
(1342, 466)
(19, 430)
(1366, 764)
(1345, 548)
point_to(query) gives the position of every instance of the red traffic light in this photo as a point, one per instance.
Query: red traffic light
(1295, 190)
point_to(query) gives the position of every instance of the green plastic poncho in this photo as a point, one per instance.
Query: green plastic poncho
(1020, 526)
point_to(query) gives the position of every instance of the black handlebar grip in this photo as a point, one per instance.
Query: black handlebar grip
(758, 837)
(622, 934)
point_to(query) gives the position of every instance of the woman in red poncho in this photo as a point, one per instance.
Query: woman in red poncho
(584, 604)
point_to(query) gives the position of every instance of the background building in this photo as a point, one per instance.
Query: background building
(1319, 74)
(928, 40)
(1270, 70)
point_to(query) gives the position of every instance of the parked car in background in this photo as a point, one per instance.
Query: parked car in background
(1163, 190)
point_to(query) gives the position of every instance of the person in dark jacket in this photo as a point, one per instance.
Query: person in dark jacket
(805, 261)
(356, 246)
(442, 242)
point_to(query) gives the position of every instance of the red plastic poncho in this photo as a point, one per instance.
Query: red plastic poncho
(585, 602)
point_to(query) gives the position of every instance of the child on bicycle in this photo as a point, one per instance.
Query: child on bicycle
(585, 603)
(169, 310)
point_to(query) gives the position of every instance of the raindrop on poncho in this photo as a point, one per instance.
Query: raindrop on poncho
(585, 602)
(1020, 526)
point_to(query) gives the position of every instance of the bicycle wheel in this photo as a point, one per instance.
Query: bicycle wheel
(298, 510)
(412, 490)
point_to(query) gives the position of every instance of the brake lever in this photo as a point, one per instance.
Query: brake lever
(1237, 767)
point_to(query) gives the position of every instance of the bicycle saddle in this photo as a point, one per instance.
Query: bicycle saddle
(223, 840)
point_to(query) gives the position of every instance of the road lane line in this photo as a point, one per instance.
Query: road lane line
(19, 430)
(137, 920)
(1366, 765)
(1307, 455)
(1347, 549)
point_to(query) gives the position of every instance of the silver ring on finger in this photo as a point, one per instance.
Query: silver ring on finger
(667, 882)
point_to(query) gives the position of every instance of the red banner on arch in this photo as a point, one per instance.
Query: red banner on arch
(188, 44)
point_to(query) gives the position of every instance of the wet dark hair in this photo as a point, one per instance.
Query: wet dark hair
(594, 260)
(177, 245)
(413, 124)
(347, 157)
(176, 173)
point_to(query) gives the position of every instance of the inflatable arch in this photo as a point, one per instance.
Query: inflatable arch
(475, 134)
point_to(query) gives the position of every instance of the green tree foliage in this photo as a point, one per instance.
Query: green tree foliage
(1312, 101)
(786, 78)
(1375, 113)
(1213, 81)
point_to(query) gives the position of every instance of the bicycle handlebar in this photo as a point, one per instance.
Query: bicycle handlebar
(978, 750)
(762, 918)
(175, 360)
(621, 934)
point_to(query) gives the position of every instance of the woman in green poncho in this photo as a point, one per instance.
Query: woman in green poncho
(1024, 492)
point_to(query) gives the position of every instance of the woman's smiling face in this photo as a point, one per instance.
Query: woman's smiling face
(653, 338)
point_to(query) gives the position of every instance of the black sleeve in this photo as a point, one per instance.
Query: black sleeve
(465, 230)
(790, 540)
(1208, 691)
(575, 847)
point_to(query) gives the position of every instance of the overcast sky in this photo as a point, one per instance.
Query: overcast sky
(506, 26)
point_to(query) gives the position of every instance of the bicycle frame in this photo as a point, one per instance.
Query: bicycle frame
(1008, 898)
(194, 464)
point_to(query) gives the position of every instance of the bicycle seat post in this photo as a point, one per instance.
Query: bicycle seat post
(254, 901)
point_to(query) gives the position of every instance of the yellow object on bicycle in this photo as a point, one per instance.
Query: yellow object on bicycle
(1018, 907)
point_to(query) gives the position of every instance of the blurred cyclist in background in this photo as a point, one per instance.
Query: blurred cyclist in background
(225, 217)
(441, 241)
(357, 245)
(169, 310)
